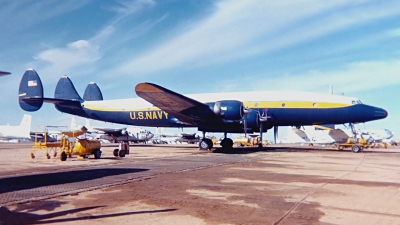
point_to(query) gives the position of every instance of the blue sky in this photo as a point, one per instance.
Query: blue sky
(195, 46)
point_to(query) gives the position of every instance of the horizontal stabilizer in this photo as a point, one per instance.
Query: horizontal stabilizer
(92, 93)
(30, 88)
(2, 73)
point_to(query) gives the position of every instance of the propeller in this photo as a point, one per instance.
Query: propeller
(245, 112)
(263, 118)
(275, 133)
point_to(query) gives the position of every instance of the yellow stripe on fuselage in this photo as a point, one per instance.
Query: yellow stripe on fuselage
(110, 109)
(294, 104)
(257, 104)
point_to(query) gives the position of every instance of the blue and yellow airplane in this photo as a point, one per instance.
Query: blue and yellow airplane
(238, 112)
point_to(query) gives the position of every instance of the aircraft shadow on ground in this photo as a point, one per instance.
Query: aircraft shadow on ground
(8, 217)
(249, 150)
(244, 150)
(10, 184)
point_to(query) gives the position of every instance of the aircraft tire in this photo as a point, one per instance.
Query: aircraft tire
(63, 156)
(115, 152)
(205, 144)
(97, 154)
(226, 143)
(356, 148)
(122, 153)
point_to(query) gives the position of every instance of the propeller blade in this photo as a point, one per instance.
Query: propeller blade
(245, 112)
(275, 133)
(245, 125)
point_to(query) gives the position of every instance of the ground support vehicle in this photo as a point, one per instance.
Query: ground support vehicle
(249, 141)
(44, 143)
(69, 144)
(356, 146)
(74, 144)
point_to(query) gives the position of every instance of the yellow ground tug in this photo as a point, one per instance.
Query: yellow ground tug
(356, 146)
(253, 140)
(69, 144)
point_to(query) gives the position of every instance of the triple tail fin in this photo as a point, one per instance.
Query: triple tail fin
(31, 92)
(66, 90)
(92, 93)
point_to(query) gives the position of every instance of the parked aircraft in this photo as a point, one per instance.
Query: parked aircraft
(3, 73)
(115, 135)
(177, 138)
(248, 112)
(22, 131)
(313, 135)
(130, 134)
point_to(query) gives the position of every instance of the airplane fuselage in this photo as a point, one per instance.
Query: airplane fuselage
(311, 109)
(234, 112)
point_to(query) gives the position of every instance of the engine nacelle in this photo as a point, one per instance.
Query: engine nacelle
(253, 119)
(227, 109)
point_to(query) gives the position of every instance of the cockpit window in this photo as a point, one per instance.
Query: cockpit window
(354, 102)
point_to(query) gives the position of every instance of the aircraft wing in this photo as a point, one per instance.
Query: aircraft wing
(338, 135)
(185, 135)
(111, 131)
(187, 110)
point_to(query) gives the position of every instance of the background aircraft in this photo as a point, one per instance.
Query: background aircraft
(314, 135)
(214, 112)
(115, 135)
(3, 73)
(22, 131)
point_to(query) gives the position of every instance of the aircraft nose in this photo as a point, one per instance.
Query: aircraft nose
(380, 113)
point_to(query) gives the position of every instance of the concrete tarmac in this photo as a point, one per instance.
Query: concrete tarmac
(178, 184)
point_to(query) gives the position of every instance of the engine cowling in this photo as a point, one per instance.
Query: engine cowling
(253, 119)
(228, 109)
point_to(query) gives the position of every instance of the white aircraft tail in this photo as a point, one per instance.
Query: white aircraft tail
(73, 123)
(25, 125)
(87, 124)
(23, 130)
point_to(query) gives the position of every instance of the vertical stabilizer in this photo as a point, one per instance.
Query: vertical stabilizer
(87, 124)
(73, 123)
(30, 91)
(92, 93)
(25, 126)
(66, 90)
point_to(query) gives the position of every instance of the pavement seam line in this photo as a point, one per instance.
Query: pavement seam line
(316, 189)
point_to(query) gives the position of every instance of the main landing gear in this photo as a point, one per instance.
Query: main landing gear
(207, 144)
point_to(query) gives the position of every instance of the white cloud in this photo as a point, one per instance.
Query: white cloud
(76, 54)
(240, 29)
(354, 78)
